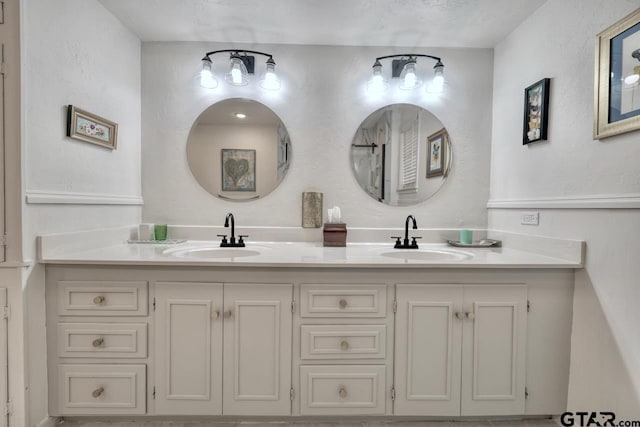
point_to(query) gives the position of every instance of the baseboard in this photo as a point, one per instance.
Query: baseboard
(603, 201)
(54, 198)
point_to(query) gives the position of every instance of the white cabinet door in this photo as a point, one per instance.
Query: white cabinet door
(493, 365)
(188, 332)
(257, 349)
(428, 350)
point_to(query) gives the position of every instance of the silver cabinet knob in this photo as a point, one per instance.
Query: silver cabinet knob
(342, 392)
(344, 345)
(343, 303)
(97, 342)
(98, 300)
(470, 315)
(227, 314)
(97, 392)
(215, 314)
(460, 315)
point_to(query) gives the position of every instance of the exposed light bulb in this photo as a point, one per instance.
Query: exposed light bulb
(409, 78)
(631, 79)
(377, 83)
(437, 84)
(207, 80)
(237, 74)
(270, 80)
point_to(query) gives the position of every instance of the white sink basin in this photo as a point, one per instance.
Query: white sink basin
(428, 255)
(211, 252)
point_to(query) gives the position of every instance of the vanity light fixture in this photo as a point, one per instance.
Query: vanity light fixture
(405, 68)
(241, 64)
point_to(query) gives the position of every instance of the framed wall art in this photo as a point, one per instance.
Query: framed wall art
(91, 128)
(436, 153)
(536, 106)
(617, 78)
(238, 170)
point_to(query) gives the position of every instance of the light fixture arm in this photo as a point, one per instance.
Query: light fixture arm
(409, 56)
(249, 61)
(237, 52)
(397, 65)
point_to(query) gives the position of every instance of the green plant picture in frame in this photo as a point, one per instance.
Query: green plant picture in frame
(238, 170)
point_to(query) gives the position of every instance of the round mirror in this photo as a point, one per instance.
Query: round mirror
(239, 150)
(401, 155)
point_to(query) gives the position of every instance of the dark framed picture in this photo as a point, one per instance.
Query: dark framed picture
(238, 170)
(91, 128)
(617, 78)
(536, 106)
(436, 153)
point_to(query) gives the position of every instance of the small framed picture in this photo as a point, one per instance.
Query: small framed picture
(617, 78)
(436, 153)
(238, 170)
(536, 106)
(88, 127)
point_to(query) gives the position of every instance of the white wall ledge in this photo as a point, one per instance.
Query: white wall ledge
(54, 198)
(603, 201)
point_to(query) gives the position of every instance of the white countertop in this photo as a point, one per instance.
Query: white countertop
(306, 254)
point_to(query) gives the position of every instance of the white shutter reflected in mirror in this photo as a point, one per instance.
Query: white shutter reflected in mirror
(409, 137)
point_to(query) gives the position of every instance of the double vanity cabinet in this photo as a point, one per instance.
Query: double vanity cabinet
(156, 340)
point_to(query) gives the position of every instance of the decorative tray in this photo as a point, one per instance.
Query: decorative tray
(484, 243)
(157, 242)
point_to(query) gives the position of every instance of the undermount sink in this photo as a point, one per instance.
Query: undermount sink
(428, 255)
(211, 252)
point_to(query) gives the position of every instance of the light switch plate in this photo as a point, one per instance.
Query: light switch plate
(530, 218)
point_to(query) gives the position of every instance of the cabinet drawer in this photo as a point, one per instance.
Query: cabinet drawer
(343, 301)
(84, 298)
(342, 390)
(101, 389)
(343, 341)
(127, 340)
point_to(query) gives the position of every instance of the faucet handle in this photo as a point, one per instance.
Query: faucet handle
(240, 238)
(413, 241)
(398, 242)
(224, 238)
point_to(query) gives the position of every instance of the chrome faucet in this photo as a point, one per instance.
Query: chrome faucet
(405, 243)
(232, 240)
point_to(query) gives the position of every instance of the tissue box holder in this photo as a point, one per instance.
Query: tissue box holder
(335, 235)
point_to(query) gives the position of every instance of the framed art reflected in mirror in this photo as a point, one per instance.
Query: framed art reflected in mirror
(238, 170)
(436, 153)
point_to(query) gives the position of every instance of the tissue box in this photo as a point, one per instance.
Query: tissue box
(335, 235)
